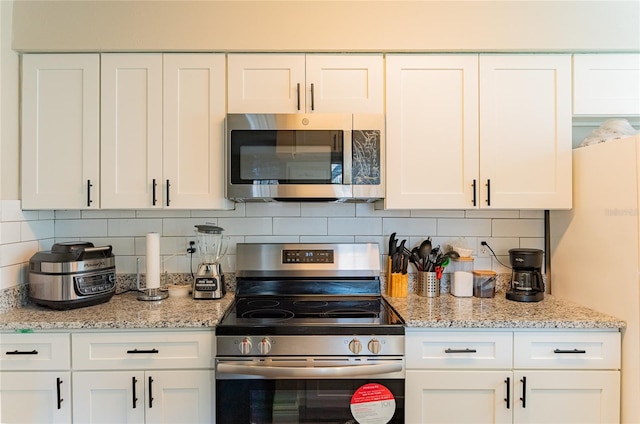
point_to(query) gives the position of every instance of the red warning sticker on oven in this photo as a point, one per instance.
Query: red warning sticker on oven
(373, 403)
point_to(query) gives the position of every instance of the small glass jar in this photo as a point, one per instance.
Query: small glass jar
(484, 283)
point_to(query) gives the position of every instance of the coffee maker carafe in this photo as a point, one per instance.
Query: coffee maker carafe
(208, 282)
(526, 279)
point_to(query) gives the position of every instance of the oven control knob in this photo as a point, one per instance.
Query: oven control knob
(265, 346)
(355, 346)
(374, 346)
(245, 346)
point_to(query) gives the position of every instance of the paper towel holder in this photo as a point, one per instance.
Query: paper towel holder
(148, 294)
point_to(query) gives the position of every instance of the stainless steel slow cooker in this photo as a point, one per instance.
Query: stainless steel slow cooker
(72, 275)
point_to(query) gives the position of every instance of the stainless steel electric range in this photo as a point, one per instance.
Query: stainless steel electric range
(310, 338)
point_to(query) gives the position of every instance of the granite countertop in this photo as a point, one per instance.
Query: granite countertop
(447, 311)
(124, 311)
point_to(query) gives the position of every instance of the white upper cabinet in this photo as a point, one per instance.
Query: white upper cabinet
(606, 84)
(131, 131)
(432, 131)
(469, 131)
(162, 131)
(299, 83)
(525, 131)
(60, 131)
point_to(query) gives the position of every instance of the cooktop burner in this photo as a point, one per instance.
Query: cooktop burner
(293, 315)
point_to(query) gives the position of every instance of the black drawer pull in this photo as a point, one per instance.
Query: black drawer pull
(467, 350)
(59, 392)
(22, 352)
(143, 351)
(569, 351)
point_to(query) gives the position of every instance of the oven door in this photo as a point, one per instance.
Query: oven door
(328, 390)
(288, 156)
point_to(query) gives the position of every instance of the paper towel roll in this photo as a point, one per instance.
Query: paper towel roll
(153, 261)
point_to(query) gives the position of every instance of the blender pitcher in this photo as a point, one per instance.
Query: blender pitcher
(208, 282)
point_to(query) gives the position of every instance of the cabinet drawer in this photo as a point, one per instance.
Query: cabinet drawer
(33, 352)
(142, 350)
(464, 349)
(567, 350)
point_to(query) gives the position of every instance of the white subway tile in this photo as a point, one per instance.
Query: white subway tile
(272, 239)
(106, 213)
(10, 232)
(327, 239)
(67, 214)
(422, 213)
(491, 213)
(532, 242)
(300, 226)
(500, 245)
(133, 227)
(355, 226)
(11, 211)
(162, 213)
(13, 275)
(410, 226)
(328, 209)
(238, 211)
(464, 227)
(36, 230)
(127, 265)
(272, 209)
(184, 227)
(82, 228)
(44, 215)
(375, 210)
(121, 246)
(517, 228)
(532, 214)
(17, 253)
(246, 226)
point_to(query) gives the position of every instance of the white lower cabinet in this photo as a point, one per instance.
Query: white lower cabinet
(143, 377)
(520, 377)
(35, 382)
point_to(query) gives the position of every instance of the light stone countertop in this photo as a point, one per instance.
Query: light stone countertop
(447, 311)
(121, 311)
(124, 311)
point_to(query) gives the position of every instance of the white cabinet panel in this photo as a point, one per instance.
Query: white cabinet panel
(606, 84)
(32, 352)
(35, 397)
(60, 131)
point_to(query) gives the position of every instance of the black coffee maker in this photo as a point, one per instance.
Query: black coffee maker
(526, 280)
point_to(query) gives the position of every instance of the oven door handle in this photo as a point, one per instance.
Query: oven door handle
(309, 372)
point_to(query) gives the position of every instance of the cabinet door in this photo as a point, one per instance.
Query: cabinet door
(266, 83)
(193, 142)
(179, 396)
(60, 131)
(525, 131)
(131, 149)
(567, 397)
(108, 397)
(432, 131)
(606, 84)
(458, 397)
(35, 397)
(345, 83)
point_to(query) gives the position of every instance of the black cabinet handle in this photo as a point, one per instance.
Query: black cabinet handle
(150, 392)
(143, 351)
(154, 199)
(508, 398)
(133, 389)
(488, 192)
(524, 392)
(474, 192)
(58, 390)
(168, 189)
(89, 185)
(467, 350)
(569, 351)
(313, 106)
(298, 94)
(22, 352)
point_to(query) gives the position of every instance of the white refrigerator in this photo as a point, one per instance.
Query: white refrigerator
(595, 254)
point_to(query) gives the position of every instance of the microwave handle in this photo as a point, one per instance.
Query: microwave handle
(347, 151)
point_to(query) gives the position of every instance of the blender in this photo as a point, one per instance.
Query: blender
(208, 283)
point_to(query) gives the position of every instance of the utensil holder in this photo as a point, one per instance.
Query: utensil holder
(428, 284)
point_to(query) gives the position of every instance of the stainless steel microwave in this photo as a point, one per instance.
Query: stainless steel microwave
(315, 157)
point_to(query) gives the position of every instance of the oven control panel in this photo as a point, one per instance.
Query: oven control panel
(307, 256)
(309, 345)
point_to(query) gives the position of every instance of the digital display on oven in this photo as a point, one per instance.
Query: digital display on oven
(312, 256)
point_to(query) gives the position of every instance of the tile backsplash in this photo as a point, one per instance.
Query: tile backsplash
(22, 233)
